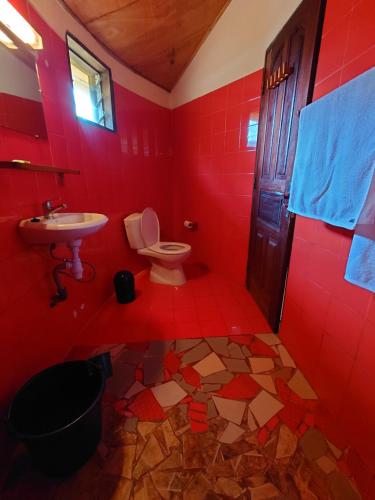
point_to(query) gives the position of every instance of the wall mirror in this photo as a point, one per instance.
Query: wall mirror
(21, 106)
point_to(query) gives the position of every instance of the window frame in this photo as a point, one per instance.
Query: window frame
(107, 73)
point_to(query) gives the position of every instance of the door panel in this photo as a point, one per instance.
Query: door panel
(288, 79)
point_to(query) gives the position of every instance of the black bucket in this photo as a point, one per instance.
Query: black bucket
(57, 415)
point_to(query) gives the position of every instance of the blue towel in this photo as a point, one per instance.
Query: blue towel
(335, 156)
(360, 269)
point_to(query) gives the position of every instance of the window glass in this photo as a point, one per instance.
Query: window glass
(92, 86)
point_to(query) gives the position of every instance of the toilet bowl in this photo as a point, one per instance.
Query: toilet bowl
(166, 257)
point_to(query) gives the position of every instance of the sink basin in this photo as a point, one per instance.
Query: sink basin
(62, 227)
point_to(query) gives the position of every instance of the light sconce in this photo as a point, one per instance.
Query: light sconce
(15, 31)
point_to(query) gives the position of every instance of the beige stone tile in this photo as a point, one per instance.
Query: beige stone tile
(166, 437)
(177, 484)
(246, 351)
(300, 386)
(313, 444)
(120, 462)
(219, 345)
(341, 487)
(220, 468)
(228, 487)
(231, 433)
(241, 447)
(256, 480)
(286, 358)
(146, 428)
(184, 429)
(230, 409)
(251, 463)
(168, 394)
(141, 443)
(235, 351)
(197, 488)
(150, 457)
(326, 464)
(286, 444)
(264, 407)
(269, 338)
(251, 421)
(135, 389)
(186, 344)
(130, 425)
(145, 489)
(211, 387)
(211, 410)
(222, 377)
(267, 491)
(335, 451)
(184, 385)
(261, 365)
(198, 449)
(173, 462)
(162, 480)
(201, 397)
(209, 365)
(265, 381)
(178, 417)
(197, 353)
(236, 365)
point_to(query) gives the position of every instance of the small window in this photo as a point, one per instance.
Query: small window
(92, 86)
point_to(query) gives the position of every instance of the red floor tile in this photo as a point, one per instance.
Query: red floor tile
(241, 387)
(208, 305)
(146, 407)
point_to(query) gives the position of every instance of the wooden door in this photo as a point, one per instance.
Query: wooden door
(288, 80)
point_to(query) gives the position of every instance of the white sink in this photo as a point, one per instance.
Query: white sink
(63, 227)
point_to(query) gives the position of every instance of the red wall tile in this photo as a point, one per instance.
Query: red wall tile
(214, 181)
(327, 324)
(338, 352)
(120, 173)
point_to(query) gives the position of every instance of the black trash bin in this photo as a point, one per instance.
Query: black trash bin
(57, 415)
(124, 287)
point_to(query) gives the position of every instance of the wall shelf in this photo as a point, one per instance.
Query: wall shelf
(25, 165)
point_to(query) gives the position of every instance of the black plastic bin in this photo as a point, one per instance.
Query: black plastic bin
(57, 415)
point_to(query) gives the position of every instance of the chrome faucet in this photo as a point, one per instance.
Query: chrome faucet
(49, 209)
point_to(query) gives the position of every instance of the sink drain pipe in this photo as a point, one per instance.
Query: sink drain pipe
(62, 293)
(74, 267)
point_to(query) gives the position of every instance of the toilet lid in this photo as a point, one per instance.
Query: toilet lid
(150, 228)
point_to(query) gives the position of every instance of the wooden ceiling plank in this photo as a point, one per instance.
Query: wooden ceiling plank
(155, 38)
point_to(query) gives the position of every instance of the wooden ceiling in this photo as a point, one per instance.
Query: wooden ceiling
(155, 38)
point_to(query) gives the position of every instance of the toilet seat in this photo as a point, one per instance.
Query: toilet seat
(150, 228)
(170, 248)
(166, 257)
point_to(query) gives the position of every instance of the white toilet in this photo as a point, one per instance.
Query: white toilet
(166, 257)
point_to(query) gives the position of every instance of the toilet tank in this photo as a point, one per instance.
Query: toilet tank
(133, 230)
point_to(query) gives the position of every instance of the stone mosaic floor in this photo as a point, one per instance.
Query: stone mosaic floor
(214, 418)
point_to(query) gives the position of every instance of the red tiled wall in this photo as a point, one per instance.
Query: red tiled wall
(213, 173)
(120, 173)
(329, 324)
